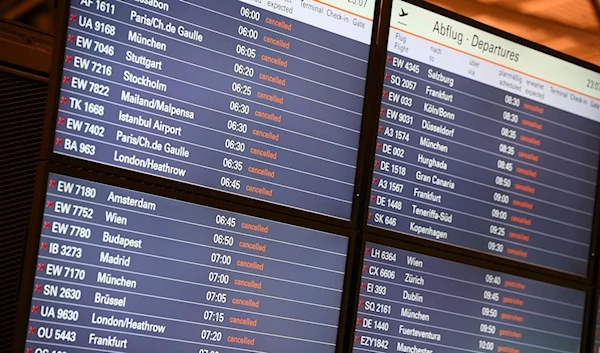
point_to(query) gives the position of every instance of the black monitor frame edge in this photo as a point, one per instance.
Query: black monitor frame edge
(589, 314)
(466, 260)
(370, 106)
(33, 236)
(382, 41)
(594, 315)
(370, 122)
(370, 102)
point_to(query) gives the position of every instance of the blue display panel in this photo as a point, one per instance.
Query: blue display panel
(260, 99)
(410, 302)
(125, 271)
(484, 152)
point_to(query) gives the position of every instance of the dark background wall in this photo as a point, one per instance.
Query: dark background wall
(24, 67)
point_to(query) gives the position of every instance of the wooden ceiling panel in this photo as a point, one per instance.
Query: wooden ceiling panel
(576, 13)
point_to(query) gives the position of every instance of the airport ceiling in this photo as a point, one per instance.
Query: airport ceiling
(569, 26)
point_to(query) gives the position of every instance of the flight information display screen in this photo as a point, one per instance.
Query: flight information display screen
(485, 144)
(421, 304)
(125, 271)
(262, 99)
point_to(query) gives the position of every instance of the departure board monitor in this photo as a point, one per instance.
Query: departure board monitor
(414, 303)
(262, 99)
(485, 143)
(125, 271)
